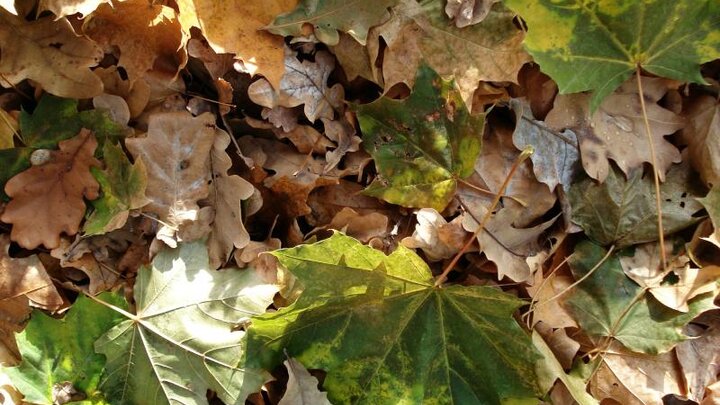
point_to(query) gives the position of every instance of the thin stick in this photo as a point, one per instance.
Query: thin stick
(521, 158)
(656, 176)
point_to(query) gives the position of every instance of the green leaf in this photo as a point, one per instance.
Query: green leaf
(354, 17)
(596, 45)
(58, 350)
(123, 189)
(608, 303)
(186, 337)
(421, 145)
(13, 161)
(622, 211)
(56, 119)
(386, 335)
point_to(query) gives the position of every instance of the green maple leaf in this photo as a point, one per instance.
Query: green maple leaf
(185, 337)
(421, 145)
(123, 189)
(386, 335)
(622, 211)
(597, 45)
(56, 119)
(354, 17)
(56, 351)
(607, 303)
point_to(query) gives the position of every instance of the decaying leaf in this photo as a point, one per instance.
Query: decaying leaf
(303, 83)
(54, 353)
(702, 135)
(616, 130)
(622, 211)
(175, 152)
(608, 304)
(328, 16)
(591, 46)
(261, 52)
(147, 36)
(47, 200)
(185, 333)
(384, 334)
(49, 52)
(421, 145)
(700, 360)
(302, 387)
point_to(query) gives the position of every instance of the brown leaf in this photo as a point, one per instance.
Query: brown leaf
(48, 52)
(265, 265)
(260, 51)
(176, 153)
(101, 277)
(468, 12)
(226, 195)
(62, 8)
(702, 135)
(617, 131)
(343, 134)
(358, 226)
(545, 291)
(147, 36)
(327, 202)
(47, 200)
(437, 238)
(700, 361)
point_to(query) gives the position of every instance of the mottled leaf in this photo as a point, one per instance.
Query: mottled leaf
(607, 303)
(622, 211)
(54, 351)
(185, 337)
(386, 335)
(421, 145)
(596, 45)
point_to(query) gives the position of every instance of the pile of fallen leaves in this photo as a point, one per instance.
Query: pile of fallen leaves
(432, 201)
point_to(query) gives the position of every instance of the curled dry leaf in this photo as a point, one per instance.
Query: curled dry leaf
(175, 152)
(343, 134)
(303, 83)
(62, 8)
(48, 52)
(702, 135)
(700, 360)
(468, 12)
(437, 238)
(47, 200)
(617, 131)
(362, 227)
(302, 387)
(147, 36)
(264, 264)
(101, 277)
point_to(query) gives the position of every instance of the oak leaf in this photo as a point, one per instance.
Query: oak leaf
(437, 238)
(468, 12)
(175, 152)
(302, 387)
(63, 8)
(702, 135)
(47, 200)
(261, 52)
(699, 358)
(50, 53)
(617, 130)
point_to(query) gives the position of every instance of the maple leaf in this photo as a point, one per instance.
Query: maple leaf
(549, 370)
(421, 145)
(622, 211)
(303, 83)
(327, 17)
(63, 8)
(616, 129)
(699, 360)
(123, 189)
(184, 337)
(47, 200)
(260, 51)
(48, 52)
(147, 36)
(55, 355)
(607, 303)
(591, 46)
(175, 152)
(384, 334)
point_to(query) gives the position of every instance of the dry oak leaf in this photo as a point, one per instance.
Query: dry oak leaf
(48, 52)
(148, 37)
(303, 83)
(47, 200)
(226, 195)
(261, 52)
(362, 227)
(176, 153)
(62, 8)
(546, 307)
(437, 238)
(702, 135)
(617, 131)
(468, 12)
(700, 359)
(101, 277)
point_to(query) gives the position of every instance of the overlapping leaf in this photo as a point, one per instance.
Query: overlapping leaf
(421, 145)
(385, 334)
(185, 337)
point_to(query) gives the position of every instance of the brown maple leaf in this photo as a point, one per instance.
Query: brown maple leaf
(47, 199)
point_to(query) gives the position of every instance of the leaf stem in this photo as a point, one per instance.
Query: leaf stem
(519, 160)
(656, 176)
